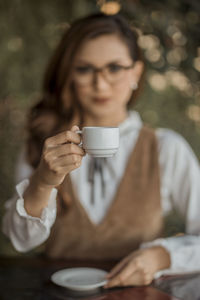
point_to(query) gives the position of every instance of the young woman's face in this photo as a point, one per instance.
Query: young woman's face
(103, 76)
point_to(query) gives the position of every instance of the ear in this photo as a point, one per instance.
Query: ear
(137, 71)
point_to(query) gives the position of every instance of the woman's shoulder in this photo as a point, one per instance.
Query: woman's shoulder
(172, 143)
(170, 137)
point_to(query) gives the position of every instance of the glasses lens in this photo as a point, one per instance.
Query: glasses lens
(114, 73)
(83, 74)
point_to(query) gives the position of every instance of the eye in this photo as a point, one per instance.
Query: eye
(84, 69)
(114, 68)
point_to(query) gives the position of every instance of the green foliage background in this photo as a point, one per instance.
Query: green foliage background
(30, 30)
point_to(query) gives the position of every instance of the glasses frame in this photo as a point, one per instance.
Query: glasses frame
(101, 70)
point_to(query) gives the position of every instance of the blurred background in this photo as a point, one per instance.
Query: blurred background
(169, 34)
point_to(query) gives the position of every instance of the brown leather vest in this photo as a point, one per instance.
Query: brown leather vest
(134, 216)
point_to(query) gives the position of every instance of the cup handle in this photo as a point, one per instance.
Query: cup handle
(81, 143)
(79, 131)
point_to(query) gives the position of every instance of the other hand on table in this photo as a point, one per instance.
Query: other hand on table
(139, 267)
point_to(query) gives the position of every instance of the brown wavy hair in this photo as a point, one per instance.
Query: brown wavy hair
(51, 114)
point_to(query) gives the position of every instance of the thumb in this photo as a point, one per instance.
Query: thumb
(75, 128)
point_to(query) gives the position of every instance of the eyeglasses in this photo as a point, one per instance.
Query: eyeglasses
(112, 73)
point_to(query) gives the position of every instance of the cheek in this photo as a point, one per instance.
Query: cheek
(123, 90)
(81, 92)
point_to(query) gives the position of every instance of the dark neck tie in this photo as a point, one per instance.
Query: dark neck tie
(96, 166)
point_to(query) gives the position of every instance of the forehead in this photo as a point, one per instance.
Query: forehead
(104, 49)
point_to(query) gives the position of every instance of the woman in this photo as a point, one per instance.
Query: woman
(112, 208)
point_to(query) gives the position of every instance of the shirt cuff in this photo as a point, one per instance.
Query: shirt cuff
(48, 214)
(183, 251)
(169, 247)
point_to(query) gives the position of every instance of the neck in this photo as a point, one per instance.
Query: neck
(114, 121)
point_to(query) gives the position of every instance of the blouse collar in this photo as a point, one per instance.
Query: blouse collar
(132, 122)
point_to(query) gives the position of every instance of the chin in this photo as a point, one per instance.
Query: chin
(103, 111)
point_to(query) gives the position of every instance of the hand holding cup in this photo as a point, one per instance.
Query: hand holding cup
(61, 154)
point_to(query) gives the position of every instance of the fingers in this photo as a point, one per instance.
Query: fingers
(60, 155)
(65, 150)
(62, 170)
(69, 136)
(135, 278)
(118, 267)
(64, 161)
(134, 269)
(64, 164)
(75, 128)
(139, 278)
(121, 276)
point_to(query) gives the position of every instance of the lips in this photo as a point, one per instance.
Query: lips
(101, 100)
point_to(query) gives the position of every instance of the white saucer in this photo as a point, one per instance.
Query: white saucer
(80, 279)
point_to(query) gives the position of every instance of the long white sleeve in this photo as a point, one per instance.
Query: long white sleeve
(27, 232)
(184, 254)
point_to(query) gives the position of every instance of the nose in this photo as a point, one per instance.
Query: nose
(100, 83)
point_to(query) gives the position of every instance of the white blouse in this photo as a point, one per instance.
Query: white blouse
(180, 191)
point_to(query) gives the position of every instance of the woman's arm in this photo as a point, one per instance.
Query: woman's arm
(30, 215)
(24, 231)
(180, 173)
(139, 267)
(61, 154)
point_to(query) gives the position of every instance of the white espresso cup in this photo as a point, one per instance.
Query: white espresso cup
(100, 141)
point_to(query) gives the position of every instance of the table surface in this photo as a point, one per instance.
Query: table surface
(29, 278)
